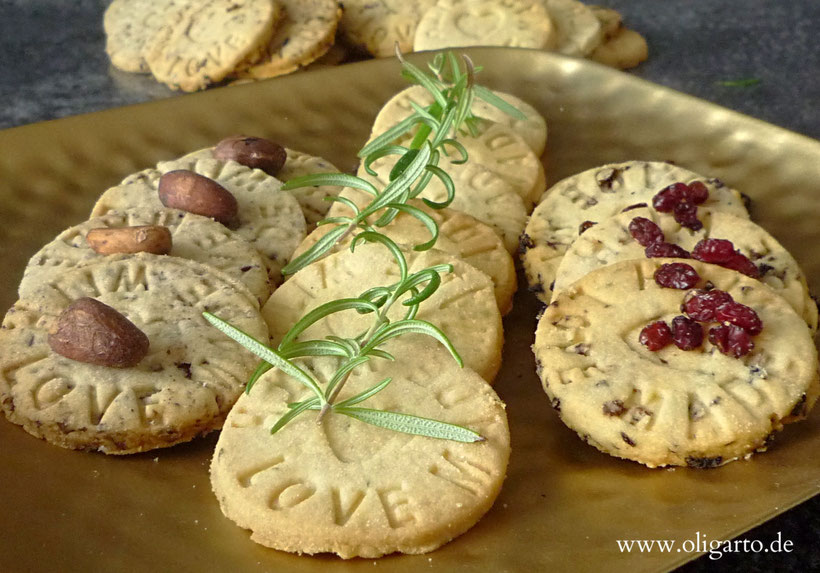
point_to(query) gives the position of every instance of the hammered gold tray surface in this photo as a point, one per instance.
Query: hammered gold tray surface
(563, 505)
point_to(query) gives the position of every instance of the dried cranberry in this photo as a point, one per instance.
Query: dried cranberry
(656, 335)
(666, 199)
(664, 249)
(703, 304)
(715, 251)
(739, 315)
(697, 192)
(686, 333)
(741, 263)
(585, 225)
(687, 215)
(731, 340)
(676, 275)
(645, 231)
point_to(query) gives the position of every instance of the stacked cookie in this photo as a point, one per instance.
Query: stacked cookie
(191, 45)
(106, 348)
(565, 26)
(357, 490)
(678, 332)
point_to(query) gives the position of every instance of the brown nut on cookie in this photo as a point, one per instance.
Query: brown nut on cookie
(195, 193)
(253, 152)
(154, 239)
(93, 332)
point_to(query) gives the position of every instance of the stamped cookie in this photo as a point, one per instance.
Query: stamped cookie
(211, 39)
(304, 34)
(533, 129)
(459, 234)
(376, 27)
(626, 49)
(697, 407)
(594, 195)
(511, 23)
(193, 237)
(479, 193)
(130, 24)
(578, 31)
(357, 490)
(610, 241)
(463, 307)
(269, 218)
(182, 388)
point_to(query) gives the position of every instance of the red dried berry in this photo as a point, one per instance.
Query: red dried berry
(667, 250)
(697, 192)
(666, 199)
(686, 333)
(741, 263)
(701, 305)
(715, 251)
(645, 231)
(656, 335)
(686, 214)
(731, 340)
(739, 315)
(676, 275)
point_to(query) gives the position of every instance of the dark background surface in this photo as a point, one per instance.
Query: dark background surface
(53, 64)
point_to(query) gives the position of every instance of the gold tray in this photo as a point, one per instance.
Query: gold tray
(563, 505)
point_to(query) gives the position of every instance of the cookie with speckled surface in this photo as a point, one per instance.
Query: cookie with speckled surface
(376, 27)
(594, 195)
(459, 234)
(130, 24)
(346, 487)
(694, 407)
(610, 241)
(305, 32)
(269, 218)
(463, 307)
(509, 23)
(626, 49)
(183, 388)
(193, 237)
(209, 41)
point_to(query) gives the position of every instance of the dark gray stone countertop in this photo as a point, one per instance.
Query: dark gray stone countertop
(53, 65)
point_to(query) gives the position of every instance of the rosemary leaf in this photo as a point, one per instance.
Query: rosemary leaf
(295, 410)
(411, 424)
(413, 327)
(362, 396)
(494, 100)
(337, 179)
(322, 311)
(318, 249)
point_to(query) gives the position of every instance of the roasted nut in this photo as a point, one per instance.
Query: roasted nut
(195, 193)
(253, 152)
(92, 332)
(154, 239)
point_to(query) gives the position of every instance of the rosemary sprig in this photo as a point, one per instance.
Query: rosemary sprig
(433, 128)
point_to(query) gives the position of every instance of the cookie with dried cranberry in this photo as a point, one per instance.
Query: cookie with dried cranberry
(575, 203)
(669, 406)
(618, 239)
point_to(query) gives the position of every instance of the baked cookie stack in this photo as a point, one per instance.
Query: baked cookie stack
(106, 348)
(677, 332)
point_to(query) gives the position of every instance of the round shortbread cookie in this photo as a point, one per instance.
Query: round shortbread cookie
(304, 34)
(311, 199)
(594, 195)
(130, 24)
(533, 129)
(671, 407)
(346, 487)
(377, 27)
(459, 234)
(183, 388)
(626, 49)
(269, 218)
(193, 237)
(510, 23)
(610, 242)
(212, 39)
(479, 193)
(463, 307)
(578, 31)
